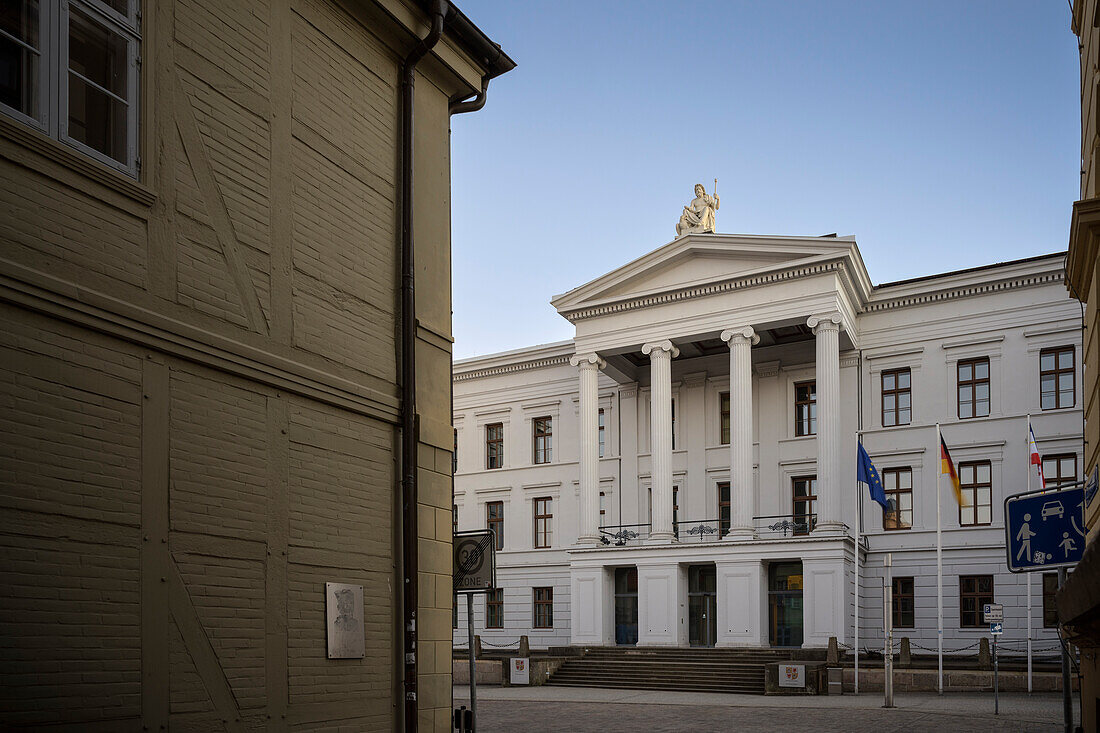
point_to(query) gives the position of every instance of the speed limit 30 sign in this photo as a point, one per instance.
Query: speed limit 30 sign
(474, 562)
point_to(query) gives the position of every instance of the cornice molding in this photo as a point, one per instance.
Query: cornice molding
(1083, 245)
(967, 291)
(522, 366)
(700, 291)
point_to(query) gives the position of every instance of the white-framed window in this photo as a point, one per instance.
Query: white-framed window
(69, 68)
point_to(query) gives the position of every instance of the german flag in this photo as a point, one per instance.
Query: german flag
(947, 466)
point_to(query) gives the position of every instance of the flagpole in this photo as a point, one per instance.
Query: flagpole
(1029, 574)
(859, 518)
(939, 568)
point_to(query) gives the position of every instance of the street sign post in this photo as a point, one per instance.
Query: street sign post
(996, 629)
(1045, 530)
(474, 571)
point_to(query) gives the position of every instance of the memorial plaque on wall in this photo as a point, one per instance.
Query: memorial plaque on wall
(344, 613)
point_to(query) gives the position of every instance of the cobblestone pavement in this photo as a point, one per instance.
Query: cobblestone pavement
(499, 716)
(586, 709)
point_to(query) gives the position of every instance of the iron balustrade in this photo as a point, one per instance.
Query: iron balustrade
(766, 527)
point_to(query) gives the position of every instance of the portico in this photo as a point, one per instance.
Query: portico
(774, 301)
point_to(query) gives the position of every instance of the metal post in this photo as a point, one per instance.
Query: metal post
(888, 626)
(939, 568)
(1067, 691)
(996, 680)
(473, 665)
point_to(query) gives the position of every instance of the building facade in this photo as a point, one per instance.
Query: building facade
(199, 359)
(1079, 604)
(683, 471)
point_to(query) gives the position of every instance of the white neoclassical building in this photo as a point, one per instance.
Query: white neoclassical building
(683, 471)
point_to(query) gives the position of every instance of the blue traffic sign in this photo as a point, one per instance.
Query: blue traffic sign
(1045, 530)
(996, 629)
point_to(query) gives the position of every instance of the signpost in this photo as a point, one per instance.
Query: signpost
(1045, 530)
(475, 571)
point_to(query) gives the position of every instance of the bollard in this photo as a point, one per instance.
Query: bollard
(524, 647)
(464, 720)
(833, 655)
(477, 646)
(906, 658)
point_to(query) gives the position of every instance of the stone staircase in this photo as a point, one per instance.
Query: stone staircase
(687, 669)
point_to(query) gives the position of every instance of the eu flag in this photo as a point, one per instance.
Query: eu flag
(868, 474)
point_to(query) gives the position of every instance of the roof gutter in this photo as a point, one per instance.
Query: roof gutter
(410, 437)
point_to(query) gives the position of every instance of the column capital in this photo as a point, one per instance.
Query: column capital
(825, 321)
(587, 361)
(741, 333)
(665, 345)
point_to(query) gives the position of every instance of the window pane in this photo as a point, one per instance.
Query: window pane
(965, 372)
(1048, 402)
(1065, 382)
(981, 391)
(19, 65)
(904, 417)
(98, 63)
(985, 515)
(984, 473)
(966, 515)
(981, 408)
(906, 479)
(97, 53)
(981, 370)
(966, 393)
(1065, 359)
(120, 6)
(1068, 466)
(888, 403)
(888, 381)
(1046, 362)
(20, 19)
(903, 380)
(903, 400)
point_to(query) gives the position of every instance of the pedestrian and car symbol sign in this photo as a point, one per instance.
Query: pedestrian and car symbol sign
(1045, 530)
(996, 629)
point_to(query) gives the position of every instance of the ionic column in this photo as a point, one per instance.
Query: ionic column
(661, 355)
(742, 493)
(590, 365)
(827, 330)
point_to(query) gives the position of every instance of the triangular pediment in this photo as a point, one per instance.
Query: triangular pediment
(699, 259)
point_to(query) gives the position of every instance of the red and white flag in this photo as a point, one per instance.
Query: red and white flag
(1035, 459)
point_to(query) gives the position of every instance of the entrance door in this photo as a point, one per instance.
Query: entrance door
(785, 603)
(702, 605)
(626, 606)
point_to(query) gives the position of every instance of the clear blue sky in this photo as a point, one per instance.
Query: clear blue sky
(943, 134)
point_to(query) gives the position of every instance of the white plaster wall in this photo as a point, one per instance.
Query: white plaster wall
(1009, 326)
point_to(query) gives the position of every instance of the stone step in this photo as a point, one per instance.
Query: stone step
(662, 685)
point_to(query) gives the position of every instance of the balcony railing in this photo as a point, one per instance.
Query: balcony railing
(766, 527)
